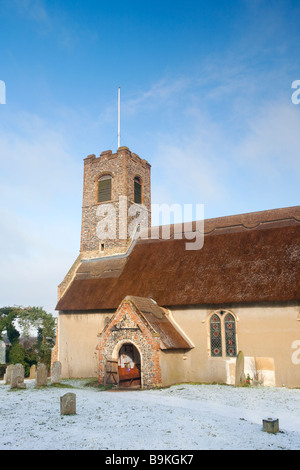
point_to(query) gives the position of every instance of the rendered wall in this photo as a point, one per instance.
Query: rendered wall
(269, 337)
(77, 341)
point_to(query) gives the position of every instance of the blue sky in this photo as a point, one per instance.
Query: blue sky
(205, 98)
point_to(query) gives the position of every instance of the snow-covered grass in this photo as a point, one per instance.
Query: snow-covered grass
(182, 417)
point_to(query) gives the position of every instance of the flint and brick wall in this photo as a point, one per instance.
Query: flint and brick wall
(146, 341)
(123, 166)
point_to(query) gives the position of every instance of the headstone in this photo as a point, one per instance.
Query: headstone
(17, 377)
(2, 352)
(56, 372)
(68, 404)
(271, 425)
(32, 371)
(240, 378)
(7, 375)
(41, 375)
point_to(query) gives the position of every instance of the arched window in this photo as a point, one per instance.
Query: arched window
(215, 336)
(230, 335)
(104, 188)
(137, 190)
(222, 334)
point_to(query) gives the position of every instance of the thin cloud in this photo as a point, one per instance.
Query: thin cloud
(32, 9)
(159, 94)
(41, 187)
(51, 23)
(271, 145)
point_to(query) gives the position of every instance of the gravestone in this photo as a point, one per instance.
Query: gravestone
(271, 425)
(32, 371)
(41, 375)
(240, 378)
(56, 372)
(17, 377)
(7, 375)
(68, 404)
(2, 352)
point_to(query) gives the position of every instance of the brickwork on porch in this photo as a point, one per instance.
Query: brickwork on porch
(128, 326)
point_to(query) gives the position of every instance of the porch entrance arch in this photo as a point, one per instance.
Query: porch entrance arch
(123, 368)
(129, 366)
(131, 342)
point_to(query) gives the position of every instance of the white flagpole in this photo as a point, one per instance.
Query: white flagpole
(119, 112)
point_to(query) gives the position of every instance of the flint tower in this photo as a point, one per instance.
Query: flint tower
(116, 196)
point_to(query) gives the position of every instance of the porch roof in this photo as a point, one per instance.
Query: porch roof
(160, 321)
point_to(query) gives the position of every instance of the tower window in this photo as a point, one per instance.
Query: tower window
(104, 189)
(137, 190)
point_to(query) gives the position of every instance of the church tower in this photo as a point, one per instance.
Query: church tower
(116, 202)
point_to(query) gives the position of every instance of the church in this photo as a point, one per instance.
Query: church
(141, 309)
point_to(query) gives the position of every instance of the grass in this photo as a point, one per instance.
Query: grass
(95, 384)
(61, 385)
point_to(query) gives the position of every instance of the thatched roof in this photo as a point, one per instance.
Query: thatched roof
(245, 258)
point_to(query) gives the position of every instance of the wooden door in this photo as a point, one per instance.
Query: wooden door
(111, 375)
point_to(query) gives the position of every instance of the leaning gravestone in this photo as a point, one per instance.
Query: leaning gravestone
(41, 375)
(17, 377)
(7, 375)
(68, 404)
(240, 378)
(56, 372)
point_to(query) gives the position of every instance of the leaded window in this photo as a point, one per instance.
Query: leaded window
(230, 336)
(223, 334)
(215, 336)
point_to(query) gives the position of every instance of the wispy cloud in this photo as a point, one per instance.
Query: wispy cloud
(50, 22)
(271, 144)
(40, 189)
(161, 93)
(34, 260)
(35, 160)
(32, 9)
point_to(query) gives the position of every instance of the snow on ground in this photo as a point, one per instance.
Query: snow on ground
(182, 417)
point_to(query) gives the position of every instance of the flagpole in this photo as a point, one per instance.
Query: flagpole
(119, 112)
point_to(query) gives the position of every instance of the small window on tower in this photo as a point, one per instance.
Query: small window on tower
(137, 190)
(104, 189)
